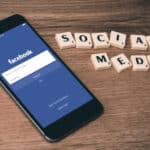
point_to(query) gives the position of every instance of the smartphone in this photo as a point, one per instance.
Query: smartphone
(42, 85)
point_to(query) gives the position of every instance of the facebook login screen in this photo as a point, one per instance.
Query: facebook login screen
(37, 77)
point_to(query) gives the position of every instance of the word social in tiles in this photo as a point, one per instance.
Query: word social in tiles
(101, 61)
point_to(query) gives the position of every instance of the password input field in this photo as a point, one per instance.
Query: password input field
(28, 67)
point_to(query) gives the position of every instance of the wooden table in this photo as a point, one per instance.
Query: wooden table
(125, 124)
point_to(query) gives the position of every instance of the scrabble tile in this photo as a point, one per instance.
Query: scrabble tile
(148, 40)
(148, 59)
(138, 42)
(65, 40)
(139, 63)
(118, 39)
(100, 40)
(100, 61)
(83, 40)
(120, 62)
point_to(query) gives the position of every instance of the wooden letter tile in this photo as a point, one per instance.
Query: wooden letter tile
(100, 40)
(148, 40)
(120, 62)
(138, 42)
(139, 63)
(100, 61)
(65, 40)
(83, 40)
(148, 59)
(117, 39)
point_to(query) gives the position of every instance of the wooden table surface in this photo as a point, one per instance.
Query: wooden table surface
(125, 124)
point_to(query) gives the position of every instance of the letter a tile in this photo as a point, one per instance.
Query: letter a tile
(138, 42)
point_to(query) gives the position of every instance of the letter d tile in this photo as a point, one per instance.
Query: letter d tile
(139, 62)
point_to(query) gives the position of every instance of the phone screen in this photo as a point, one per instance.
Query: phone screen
(37, 77)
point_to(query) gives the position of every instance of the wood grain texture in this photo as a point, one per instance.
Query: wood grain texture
(125, 124)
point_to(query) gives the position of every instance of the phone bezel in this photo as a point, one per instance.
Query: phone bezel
(69, 122)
